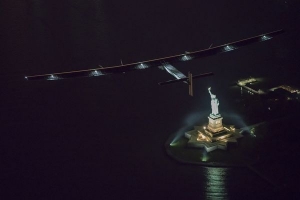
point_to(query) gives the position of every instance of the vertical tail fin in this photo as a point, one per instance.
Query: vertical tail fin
(190, 81)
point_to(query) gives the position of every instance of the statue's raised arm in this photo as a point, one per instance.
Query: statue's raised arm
(214, 103)
(210, 92)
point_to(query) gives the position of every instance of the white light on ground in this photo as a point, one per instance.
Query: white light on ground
(204, 157)
(173, 144)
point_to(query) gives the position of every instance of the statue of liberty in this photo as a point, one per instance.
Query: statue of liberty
(214, 103)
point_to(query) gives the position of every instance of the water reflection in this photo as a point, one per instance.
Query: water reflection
(214, 186)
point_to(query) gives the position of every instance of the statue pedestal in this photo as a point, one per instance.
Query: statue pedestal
(213, 136)
(215, 130)
(215, 123)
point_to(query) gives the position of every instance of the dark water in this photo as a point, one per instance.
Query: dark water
(103, 137)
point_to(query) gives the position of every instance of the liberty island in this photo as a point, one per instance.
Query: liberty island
(192, 146)
(241, 144)
(214, 135)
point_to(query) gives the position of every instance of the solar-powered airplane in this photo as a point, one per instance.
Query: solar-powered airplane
(165, 63)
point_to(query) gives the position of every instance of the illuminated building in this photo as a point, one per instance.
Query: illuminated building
(287, 88)
(244, 83)
(214, 135)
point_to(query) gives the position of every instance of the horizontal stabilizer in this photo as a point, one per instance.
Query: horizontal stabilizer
(185, 79)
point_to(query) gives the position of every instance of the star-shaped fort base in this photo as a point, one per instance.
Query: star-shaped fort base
(203, 138)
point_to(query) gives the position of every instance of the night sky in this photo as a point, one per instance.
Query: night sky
(103, 137)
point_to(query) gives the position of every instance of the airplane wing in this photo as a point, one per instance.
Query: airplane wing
(159, 62)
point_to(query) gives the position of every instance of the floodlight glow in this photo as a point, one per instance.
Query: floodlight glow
(52, 77)
(265, 37)
(142, 66)
(26, 77)
(173, 144)
(96, 73)
(204, 158)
